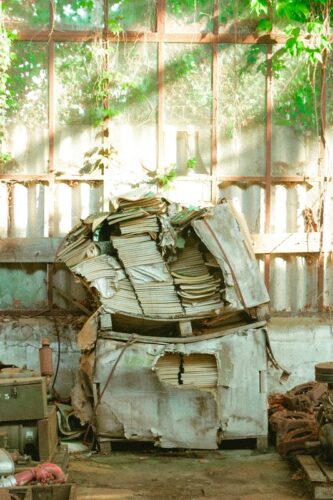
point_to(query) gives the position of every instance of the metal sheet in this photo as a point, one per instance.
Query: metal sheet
(138, 404)
(233, 253)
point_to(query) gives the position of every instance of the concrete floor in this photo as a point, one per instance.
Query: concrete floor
(225, 474)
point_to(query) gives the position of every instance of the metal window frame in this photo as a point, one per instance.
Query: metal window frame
(161, 37)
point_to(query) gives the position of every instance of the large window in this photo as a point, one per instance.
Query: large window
(167, 86)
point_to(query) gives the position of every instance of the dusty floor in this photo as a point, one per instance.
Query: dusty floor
(227, 474)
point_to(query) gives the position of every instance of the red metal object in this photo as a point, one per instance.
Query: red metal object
(44, 473)
(45, 358)
(304, 397)
(295, 440)
(275, 403)
(285, 420)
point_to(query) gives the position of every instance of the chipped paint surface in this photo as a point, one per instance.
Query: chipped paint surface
(138, 405)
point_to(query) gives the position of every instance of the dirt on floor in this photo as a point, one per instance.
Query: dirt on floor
(223, 474)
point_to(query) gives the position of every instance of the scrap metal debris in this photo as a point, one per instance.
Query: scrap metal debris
(296, 420)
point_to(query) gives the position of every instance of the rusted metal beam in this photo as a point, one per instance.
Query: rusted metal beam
(274, 179)
(322, 173)
(268, 172)
(286, 243)
(215, 88)
(48, 177)
(160, 25)
(150, 37)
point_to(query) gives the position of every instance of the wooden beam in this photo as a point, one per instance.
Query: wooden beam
(286, 243)
(152, 37)
(16, 250)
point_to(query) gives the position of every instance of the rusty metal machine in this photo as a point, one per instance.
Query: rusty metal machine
(27, 424)
(324, 373)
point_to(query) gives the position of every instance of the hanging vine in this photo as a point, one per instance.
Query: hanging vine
(5, 60)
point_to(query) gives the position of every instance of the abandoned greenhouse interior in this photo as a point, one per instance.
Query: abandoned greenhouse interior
(166, 271)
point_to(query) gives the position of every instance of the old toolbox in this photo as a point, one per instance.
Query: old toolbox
(22, 399)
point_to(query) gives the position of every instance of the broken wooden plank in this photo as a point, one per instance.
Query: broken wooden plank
(281, 243)
(70, 299)
(14, 250)
(326, 468)
(316, 478)
(311, 468)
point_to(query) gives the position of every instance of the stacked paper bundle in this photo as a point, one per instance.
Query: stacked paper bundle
(149, 275)
(199, 370)
(138, 226)
(198, 289)
(150, 202)
(76, 245)
(123, 301)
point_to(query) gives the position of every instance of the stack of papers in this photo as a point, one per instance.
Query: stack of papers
(138, 226)
(75, 252)
(149, 275)
(150, 202)
(123, 301)
(137, 250)
(198, 289)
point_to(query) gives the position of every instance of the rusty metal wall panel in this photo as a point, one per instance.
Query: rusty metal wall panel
(64, 280)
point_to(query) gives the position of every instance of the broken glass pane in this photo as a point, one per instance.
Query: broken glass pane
(296, 116)
(126, 15)
(188, 103)
(242, 110)
(189, 16)
(79, 14)
(26, 136)
(78, 109)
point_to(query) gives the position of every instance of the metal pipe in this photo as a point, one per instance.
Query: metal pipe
(43, 473)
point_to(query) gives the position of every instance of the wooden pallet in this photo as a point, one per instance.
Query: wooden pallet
(318, 476)
(261, 442)
(47, 492)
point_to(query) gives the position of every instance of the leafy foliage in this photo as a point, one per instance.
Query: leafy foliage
(126, 90)
(5, 60)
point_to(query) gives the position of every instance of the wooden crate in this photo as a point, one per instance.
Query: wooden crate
(318, 476)
(48, 492)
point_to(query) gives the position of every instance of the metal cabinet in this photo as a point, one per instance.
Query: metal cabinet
(183, 393)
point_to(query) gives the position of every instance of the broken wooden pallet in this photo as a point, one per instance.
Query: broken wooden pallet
(318, 476)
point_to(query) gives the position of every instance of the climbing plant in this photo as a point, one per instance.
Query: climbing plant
(5, 59)
(91, 92)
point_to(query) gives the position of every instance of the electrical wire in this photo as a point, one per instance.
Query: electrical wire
(132, 339)
(58, 342)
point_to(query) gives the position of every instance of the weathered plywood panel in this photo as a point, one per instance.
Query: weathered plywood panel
(281, 243)
(28, 249)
